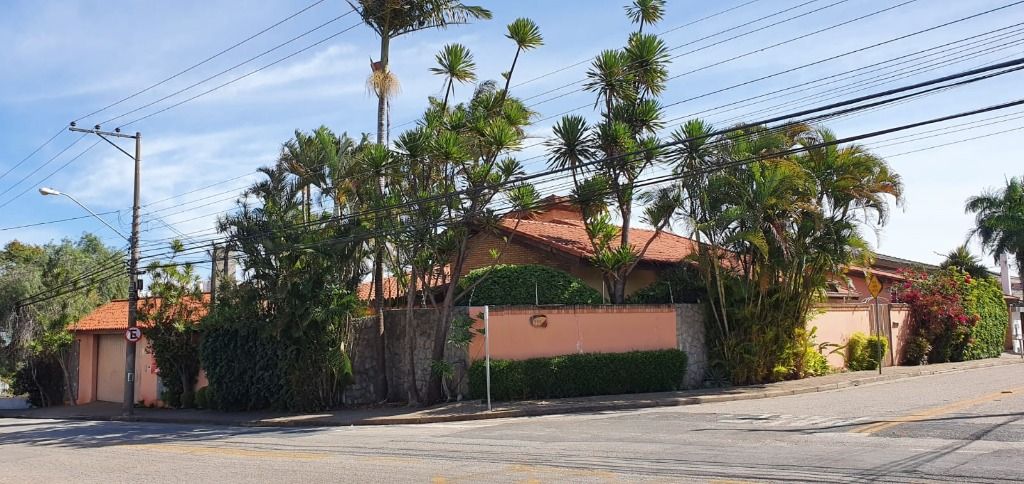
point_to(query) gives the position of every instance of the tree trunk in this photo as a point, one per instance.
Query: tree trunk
(382, 94)
(381, 385)
(412, 390)
(68, 394)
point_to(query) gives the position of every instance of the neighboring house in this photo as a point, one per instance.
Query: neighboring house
(100, 346)
(557, 238)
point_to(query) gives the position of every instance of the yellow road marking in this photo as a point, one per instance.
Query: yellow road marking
(231, 452)
(439, 480)
(934, 412)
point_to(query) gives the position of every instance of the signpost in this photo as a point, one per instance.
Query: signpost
(133, 334)
(875, 287)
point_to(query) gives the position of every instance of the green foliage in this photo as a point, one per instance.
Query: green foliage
(961, 258)
(506, 285)
(169, 320)
(801, 359)
(203, 397)
(171, 397)
(580, 375)
(960, 317)
(679, 285)
(999, 220)
(42, 379)
(250, 368)
(36, 307)
(773, 233)
(862, 351)
(916, 351)
(984, 298)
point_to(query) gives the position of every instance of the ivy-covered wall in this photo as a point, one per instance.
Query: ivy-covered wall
(984, 298)
(514, 285)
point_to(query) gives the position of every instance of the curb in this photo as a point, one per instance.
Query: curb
(675, 401)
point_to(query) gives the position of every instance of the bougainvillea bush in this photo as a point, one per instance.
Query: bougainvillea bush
(959, 317)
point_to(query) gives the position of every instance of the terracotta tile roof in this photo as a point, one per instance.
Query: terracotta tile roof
(391, 289)
(113, 316)
(570, 236)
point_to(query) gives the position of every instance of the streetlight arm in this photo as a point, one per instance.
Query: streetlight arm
(73, 199)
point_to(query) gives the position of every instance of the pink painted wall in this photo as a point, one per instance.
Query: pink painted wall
(145, 377)
(837, 322)
(86, 367)
(609, 329)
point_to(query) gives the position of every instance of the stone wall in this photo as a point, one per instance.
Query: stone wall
(690, 339)
(364, 351)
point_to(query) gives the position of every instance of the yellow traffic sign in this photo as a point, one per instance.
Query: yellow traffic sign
(874, 286)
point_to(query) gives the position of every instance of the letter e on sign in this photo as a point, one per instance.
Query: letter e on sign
(133, 334)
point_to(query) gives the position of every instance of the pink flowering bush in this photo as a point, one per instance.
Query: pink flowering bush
(945, 316)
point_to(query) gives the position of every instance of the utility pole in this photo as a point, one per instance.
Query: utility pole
(128, 406)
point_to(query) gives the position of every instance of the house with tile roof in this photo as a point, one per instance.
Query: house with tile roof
(99, 342)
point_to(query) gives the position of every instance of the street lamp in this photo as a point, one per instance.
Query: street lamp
(45, 191)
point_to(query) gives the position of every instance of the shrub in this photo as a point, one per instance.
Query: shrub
(862, 351)
(580, 375)
(202, 397)
(507, 285)
(962, 318)
(916, 351)
(42, 380)
(679, 285)
(171, 398)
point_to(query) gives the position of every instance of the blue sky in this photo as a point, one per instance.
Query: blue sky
(63, 59)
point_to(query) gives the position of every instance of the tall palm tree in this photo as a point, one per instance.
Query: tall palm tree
(394, 18)
(390, 19)
(999, 221)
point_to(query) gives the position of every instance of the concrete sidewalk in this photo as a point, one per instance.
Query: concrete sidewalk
(476, 410)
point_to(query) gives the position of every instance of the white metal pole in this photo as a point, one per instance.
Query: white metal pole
(487, 353)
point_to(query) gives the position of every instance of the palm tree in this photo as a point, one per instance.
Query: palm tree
(525, 33)
(999, 221)
(454, 63)
(645, 12)
(616, 151)
(394, 18)
(962, 259)
(390, 19)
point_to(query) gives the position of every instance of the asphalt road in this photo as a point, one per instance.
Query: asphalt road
(961, 427)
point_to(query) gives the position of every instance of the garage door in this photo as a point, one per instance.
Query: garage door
(110, 368)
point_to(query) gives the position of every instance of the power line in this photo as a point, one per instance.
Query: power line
(30, 155)
(54, 172)
(225, 71)
(40, 167)
(200, 63)
(584, 61)
(843, 108)
(36, 224)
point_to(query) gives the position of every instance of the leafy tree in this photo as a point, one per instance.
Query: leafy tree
(44, 291)
(391, 19)
(295, 299)
(452, 169)
(772, 232)
(606, 160)
(169, 319)
(961, 258)
(999, 221)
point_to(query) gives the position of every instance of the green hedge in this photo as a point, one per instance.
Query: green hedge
(509, 285)
(580, 375)
(987, 338)
(862, 351)
(678, 285)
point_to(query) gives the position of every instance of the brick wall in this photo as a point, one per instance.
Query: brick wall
(515, 252)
